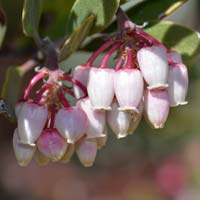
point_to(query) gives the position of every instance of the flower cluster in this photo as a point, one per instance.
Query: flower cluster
(147, 79)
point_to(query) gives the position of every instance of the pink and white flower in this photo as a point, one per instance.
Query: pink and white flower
(156, 106)
(100, 87)
(23, 152)
(154, 66)
(96, 119)
(128, 87)
(51, 144)
(71, 123)
(86, 152)
(178, 84)
(31, 121)
(80, 73)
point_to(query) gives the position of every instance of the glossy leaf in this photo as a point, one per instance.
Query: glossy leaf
(31, 16)
(57, 13)
(2, 26)
(153, 9)
(13, 81)
(75, 39)
(177, 37)
(104, 11)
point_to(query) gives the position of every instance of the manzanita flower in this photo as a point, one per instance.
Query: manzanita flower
(118, 120)
(101, 141)
(68, 154)
(23, 152)
(135, 118)
(71, 123)
(174, 57)
(178, 84)
(80, 73)
(156, 104)
(96, 119)
(154, 66)
(18, 107)
(31, 120)
(40, 158)
(51, 144)
(100, 87)
(49, 123)
(86, 152)
(128, 87)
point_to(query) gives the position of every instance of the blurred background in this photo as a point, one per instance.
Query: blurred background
(148, 165)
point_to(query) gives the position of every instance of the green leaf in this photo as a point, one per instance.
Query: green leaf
(2, 26)
(58, 13)
(31, 13)
(153, 9)
(75, 39)
(13, 81)
(104, 11)
(177, 37)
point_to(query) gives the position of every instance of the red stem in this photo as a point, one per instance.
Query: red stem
(109, 54)
(68, 91)
(119, 63)
(129, 61)
(33, 81)
(75, 82)
(41, 92)
(139, 31)
(98, 52)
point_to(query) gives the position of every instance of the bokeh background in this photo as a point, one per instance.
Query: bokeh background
(148, 165)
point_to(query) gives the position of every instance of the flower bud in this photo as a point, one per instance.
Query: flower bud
(86, 152)
(178, 84)
(71, 123)
(135, 118)
(68, 154)
(100, 87)
(156, 104)
(80, 73)
(96, 119)
(128, 87)
(18, 107)
(51, 144)
(154, 66)
(41, 159)
(101, 141)
(118, 121)
(31, 120)
(174, 56)
(23, 152)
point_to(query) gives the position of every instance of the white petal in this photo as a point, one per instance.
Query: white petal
(100, 87)
(101, 141)
(68, 154)
(96, 119)
(128, 86)
(80, 73)
(31, 121)
(86, 152)
(23, 152)
(154, 66)
(156, 104)
(118, 121)
(51, 144)
(178, 84)
(71, 123)
(135, 119)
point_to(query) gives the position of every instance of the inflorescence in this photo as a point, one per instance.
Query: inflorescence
(147, 79)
